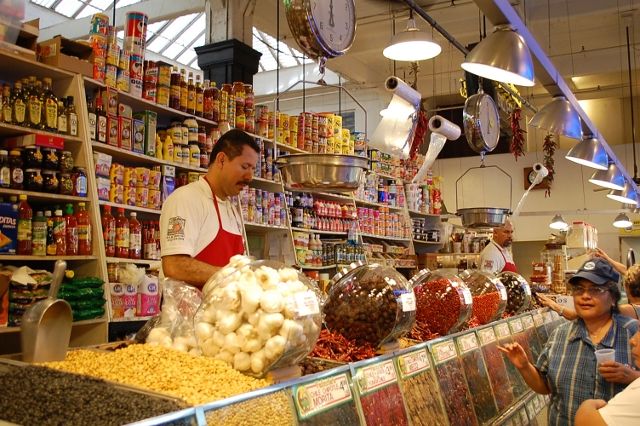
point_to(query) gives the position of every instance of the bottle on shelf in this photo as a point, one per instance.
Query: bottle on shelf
(215, 99)
(39, 234)
(72, 117)
(199, 97)
(184, 90)
(109, 231)
(51, 241)
(49, 106)
(101, 121)
(191, 95)
(63, 124)
(135, 237)
(35, 107)
(93, 119)
(207, 100)
(25, 219)
(60, 233)
(19, 102)
(84, 230)
(122, 234)
(71, 230)
(174, 93)
(6, 104)
(5, 169)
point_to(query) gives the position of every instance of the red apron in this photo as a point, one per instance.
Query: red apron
(224, 245)
(508, 266)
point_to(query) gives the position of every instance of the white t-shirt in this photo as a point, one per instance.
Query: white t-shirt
(492, 260)
(188, 222)
(624, 408)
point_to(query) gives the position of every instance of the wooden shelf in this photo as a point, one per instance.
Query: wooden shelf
(134, 261)
(73, 324)
(318, 268)
(15, 66)
(43, 196)
(129, 208)
(420, 214)
(120, 154)
(404, 240)
(131, 319)
(265, 184)
(250, 226)
(8, 130)
(26, 258)
(385, 175)
(378, 205)
(316, 231)
(140, 104)
(451, 254)
(428, 243)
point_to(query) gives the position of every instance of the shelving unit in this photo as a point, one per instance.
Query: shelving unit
(140, 159)
(316, 231)
(379, 205)
(127, 207)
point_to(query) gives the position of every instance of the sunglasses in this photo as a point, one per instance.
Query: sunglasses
(593, 291)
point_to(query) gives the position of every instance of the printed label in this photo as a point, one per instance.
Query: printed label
(487, 335)
(376, 376)
(503, 293)
(548, 317)
(408, 301)
(468, 299)
(527, 322)
(306, 303)
(527, 290)
(176, 228)
(538, 319)
(413, 363)
(516, 326)
(316, 397)
(467, 343)
(502, 330)
(444, 351)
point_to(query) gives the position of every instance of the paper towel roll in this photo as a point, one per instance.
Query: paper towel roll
(446, 128)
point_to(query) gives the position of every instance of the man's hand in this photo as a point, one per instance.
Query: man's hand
(587, 414)
(615, 372)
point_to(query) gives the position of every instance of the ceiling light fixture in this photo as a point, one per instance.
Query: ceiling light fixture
(558, 116)
(611, 178)
(412, 44)
(622, 221)
(627, 196)
(503, 56)
(589, 152)
(558, 223)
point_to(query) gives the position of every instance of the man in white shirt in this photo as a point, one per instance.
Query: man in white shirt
(622, 410)
(496, 257)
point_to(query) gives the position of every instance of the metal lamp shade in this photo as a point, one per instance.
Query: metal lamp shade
(589, 152)
(412, 45)
(558, 116)
(503, 56)
(622, 221)
(611, 178)
(558, 223)
(627, 196)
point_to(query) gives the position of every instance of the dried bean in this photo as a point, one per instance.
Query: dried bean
(270, 410)
(455, 393)
(342, 415)
(498, 376)
(35, 395)
(475, 371)
(423, 400)
(384, 407)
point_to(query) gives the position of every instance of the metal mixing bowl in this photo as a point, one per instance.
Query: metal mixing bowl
(483, 217)
(322, 172)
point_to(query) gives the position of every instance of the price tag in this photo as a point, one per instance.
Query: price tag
(408, 301)
(527, 290)
(467, 342)
(466, 294)
(487, 335)
(527, 322)
(538, 319)
(376, 376)
(516, 326)
(444, 351)
(316, 397)
(548, 317)
(503, 292)
(306, 303)
(502, 330)
(413, 363)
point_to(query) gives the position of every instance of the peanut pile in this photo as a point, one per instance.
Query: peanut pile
(275, 409)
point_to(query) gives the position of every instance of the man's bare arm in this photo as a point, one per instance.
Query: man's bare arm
(185, 268)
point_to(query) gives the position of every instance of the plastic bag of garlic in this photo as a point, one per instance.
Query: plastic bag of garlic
(258, 316)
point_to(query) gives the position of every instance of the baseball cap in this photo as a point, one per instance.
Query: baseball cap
(596, 270)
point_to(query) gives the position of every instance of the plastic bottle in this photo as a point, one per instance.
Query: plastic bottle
(167, 148)
(25, 217)
(60, 233)
(109, 231)
(51, 241)
(122, 234)
(135, 237)
(39, 235)
(71, 230)
(84, 230)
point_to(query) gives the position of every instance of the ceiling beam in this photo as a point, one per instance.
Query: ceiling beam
(156, 10)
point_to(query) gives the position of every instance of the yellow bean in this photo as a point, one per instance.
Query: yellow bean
(270, 410)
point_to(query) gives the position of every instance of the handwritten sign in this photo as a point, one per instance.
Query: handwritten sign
(502, 330)
(319, 396)
(527, 322)
(467, 342)
(376, 376)
(413, 363)
(444, 351)
(516, 326)
(487, 335)
(408, 301)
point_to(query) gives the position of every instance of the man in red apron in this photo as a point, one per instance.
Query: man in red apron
(496, 257)
(200, 228)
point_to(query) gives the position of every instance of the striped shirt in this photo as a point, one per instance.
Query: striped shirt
(568, 363)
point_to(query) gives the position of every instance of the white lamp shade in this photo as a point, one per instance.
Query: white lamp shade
(627, 196)
(558, 223)
(622, 221)
(611, 178)
(589, 152)
(412, 45)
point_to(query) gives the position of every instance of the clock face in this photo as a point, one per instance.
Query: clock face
(532, 176)
(333, 23)
(489, 121)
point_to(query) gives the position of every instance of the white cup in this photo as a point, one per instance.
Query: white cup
(604, 355)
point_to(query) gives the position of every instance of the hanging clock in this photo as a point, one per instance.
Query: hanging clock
(481, 122)
(322, 28)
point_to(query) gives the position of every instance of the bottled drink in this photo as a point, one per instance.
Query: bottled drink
(207, 101)
(60, 233)
(49, 106)
(199, 97)
(39, 235)
(84, 230)
(184, 90)
(109, 231)
(25, 218)
(5, 169)
(135, 237)
(63, 124)
(35, 104)
(191, 95)
(51, 241)
(72, 117)
(93, 119)
(101, 121)
(174, 93)
(122, 234)
(19, 105)
(71, 230)
(7, 106)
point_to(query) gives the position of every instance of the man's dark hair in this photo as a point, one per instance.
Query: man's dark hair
(232, 143)
(632, 281)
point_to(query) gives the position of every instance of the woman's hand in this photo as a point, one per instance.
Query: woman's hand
(548, 302)
(597, 252)
(615, 372)
(516, 355)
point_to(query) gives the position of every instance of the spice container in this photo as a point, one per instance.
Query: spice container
(66, 161)
(380, 395)
(496, 365)
(532, 336)
(50, 159)
(17, 169)
(50, 181)
(33, 180)
(518, 292)
(370, 304)
(475, 370)
(489, 295)
(518, 385)
(66, 184)
(443, 301)
(32, 157)
(258, 316)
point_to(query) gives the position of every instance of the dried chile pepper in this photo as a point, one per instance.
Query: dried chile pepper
(384, 407)
(423, 400)
(549, 147)
(438, 306)
(498, 377)
(336, 347)
(517, 139)
(343, 415)
(455, 394)
(485, 307)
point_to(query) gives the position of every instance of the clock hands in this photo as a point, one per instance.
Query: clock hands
(331, 21)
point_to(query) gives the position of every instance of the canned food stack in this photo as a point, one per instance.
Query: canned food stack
(134, 45)
(98, 40)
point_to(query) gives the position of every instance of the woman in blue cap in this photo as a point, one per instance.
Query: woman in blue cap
(567, 367)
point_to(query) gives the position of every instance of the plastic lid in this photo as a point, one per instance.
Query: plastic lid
(69, 209)
(134, 214)
(23, 197)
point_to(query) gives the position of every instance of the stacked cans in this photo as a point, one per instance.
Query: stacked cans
(98, 39)
(134, 44)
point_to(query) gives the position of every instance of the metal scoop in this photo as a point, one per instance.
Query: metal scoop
(46, 325)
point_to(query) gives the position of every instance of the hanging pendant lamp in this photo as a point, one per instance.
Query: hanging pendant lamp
(622, 221)
(611, 178)
(412, 44)
(628, 195)
(589, 152)
(558, 223)
(558, 116)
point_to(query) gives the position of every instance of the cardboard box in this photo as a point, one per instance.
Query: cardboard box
(150, 119)
(110, 100)
(44, 141)
(103, 163)
(138, 136)
(67, 54)
(125, 110)
(125, 132)
(112, 130)
(8, 228)
(104, 188)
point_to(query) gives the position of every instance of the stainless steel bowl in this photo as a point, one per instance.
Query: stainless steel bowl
(322, 172)
(483, 217)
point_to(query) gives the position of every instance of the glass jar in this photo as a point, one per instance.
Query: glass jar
(79, 178)
(32, 157)
(51, 161)
(50, 181)
(66, 161)
(518, 292)
(443, 303)
(258, 316)
(66, 184)
(33, 180)
(17, 170)
(370, 304)
(489, 295)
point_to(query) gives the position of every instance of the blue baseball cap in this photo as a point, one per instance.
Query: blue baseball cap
(596, 270)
